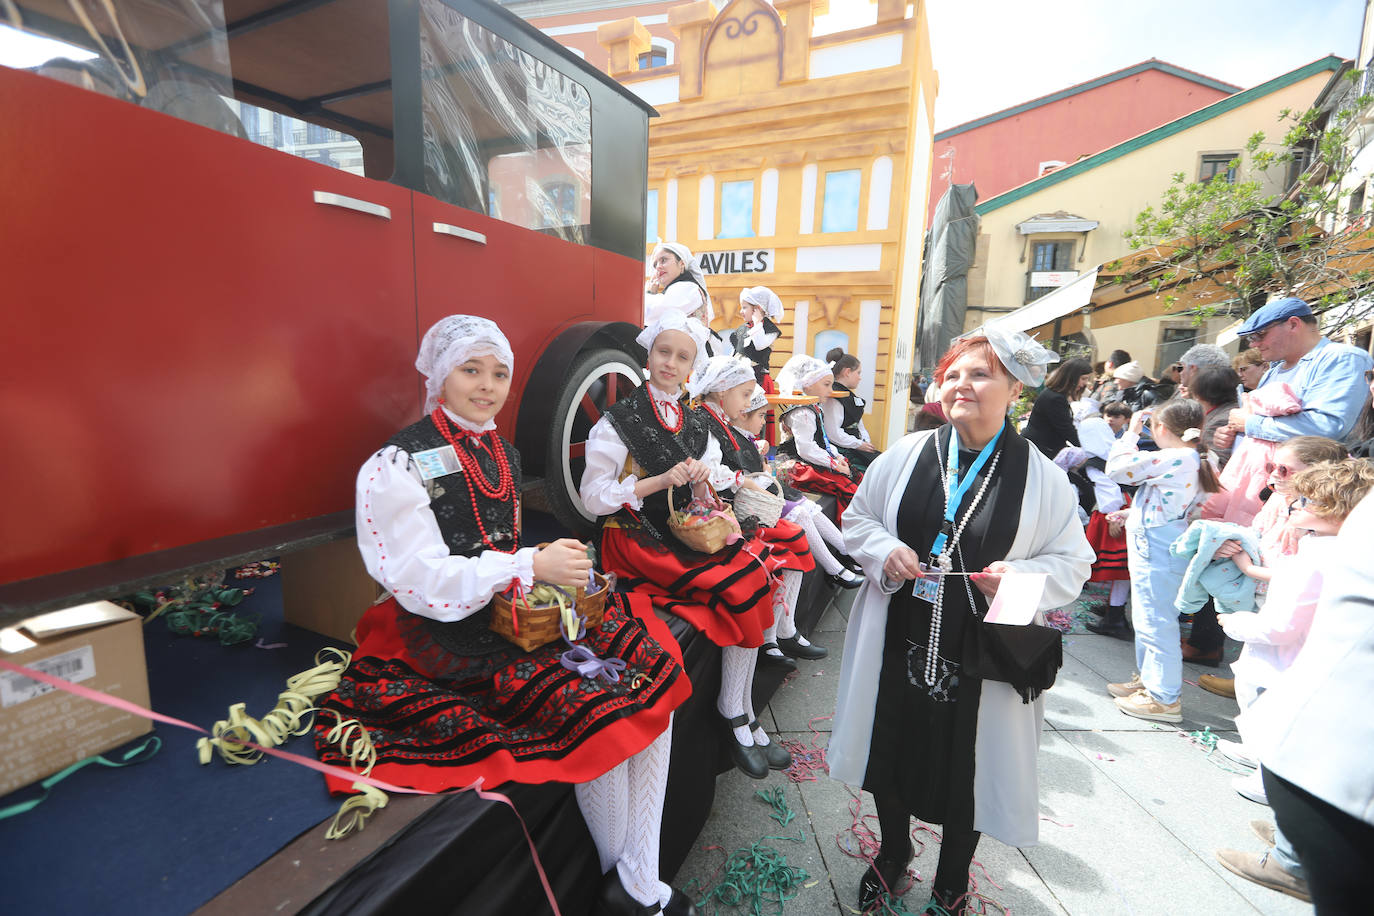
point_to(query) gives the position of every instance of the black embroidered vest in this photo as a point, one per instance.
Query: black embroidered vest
(789, 448)
(853, 410)
(734, 456)
(655, 449)
(451, 502)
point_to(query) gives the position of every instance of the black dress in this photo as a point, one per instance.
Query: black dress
(1050, 426)
(923, 737)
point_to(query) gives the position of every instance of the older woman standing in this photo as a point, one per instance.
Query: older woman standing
(911, 725)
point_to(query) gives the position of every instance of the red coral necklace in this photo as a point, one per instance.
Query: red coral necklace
(502, 490)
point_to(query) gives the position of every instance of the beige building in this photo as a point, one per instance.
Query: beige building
(1044, 234)
(791, 160)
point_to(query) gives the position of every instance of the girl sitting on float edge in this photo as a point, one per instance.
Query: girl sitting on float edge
(759, 309)
(725, 388)
(821, 533)
(813, 463)
(844, 413)
(439, 691)
(643, 445)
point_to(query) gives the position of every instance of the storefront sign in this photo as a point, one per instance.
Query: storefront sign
(748, 261)
(1043, 278)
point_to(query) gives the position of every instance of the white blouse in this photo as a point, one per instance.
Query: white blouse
(403, 549)
(759, 337)
(802, 423)
(833, 411)
(604, 492)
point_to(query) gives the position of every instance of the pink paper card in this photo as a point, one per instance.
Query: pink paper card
(1017, 598)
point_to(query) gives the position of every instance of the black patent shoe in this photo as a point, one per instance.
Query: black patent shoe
(679, 905)
(883, 876)
(777, 756)
(774, 661)
(614, 900)
(1113, 624)
(810, 652)
(839, 580)
(748, 760)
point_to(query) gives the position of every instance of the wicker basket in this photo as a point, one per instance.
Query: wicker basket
(538, 625)
(759, 504)
(708, 537)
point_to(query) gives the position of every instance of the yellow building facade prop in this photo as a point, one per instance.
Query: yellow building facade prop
(797, 162)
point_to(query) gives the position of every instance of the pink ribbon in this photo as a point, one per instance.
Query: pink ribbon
(106, 699)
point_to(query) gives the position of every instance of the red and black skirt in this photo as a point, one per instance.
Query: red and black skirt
(727, 595)
(439, 720)
(1110, 565)
(810, 479)
(787, 547)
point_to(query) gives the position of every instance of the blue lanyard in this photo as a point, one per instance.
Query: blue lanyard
(820, 424)
(957, 493)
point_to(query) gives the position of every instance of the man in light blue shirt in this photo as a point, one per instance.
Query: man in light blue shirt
(1328, 378)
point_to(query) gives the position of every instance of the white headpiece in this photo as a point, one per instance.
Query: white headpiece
(802, 370)
(758, 399)
(721, 374)
(692, 265)
(765, 299)
(677, 321)
(1023, 356)
(1084, 409)
(453, 341)
(1097, 437)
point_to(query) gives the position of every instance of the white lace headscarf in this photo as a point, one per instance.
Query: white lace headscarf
(1097, 437)
(692, 268)
(677, 321)
(1022, 354)
(453, 341)
(758, 399)
(802, 370)
(764, 298)
(721, 374)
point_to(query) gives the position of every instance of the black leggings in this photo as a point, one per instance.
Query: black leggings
(1207, 635)
(1336, 850)
(957, 846)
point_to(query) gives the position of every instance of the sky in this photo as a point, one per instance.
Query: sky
(992, 54)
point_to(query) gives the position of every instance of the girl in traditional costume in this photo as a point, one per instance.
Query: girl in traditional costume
(821, 533)
(677, 283)
(641, 446)
(813, 463)
(444, 698)
(760, 309)
(939, 519)
(844, 411)
(725, 387)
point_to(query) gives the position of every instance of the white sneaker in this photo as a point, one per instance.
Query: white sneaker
(1236, 752)
(1251, 787)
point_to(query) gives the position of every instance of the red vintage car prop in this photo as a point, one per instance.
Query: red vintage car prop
(226, 227)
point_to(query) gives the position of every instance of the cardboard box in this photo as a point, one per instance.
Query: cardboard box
(326, 589)
(43, 729)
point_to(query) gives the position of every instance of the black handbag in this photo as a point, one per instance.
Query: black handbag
(1026, 656)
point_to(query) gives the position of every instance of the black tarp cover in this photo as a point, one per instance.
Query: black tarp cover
(949, 252)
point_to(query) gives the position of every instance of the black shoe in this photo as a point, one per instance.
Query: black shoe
(616, 901)
(1097, 609)
(774, 661)
(810, 652)
(777, 756)
(679, 905)
(840, 581)
(881, 876)
(748, 760)
(1113, 624)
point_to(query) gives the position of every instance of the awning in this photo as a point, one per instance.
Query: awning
(1064, 301)
(1038, 225)
(1229, 334)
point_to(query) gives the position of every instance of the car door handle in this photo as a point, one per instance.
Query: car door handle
(460, 232)
(352, 203)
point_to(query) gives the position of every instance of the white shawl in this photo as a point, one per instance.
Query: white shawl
(1050, 539)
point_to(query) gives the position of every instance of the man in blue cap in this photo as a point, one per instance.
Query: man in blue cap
(1326, 377)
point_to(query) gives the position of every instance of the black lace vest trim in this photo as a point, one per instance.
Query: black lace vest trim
(735, 457)
(451, 503)
(760, 358)
(655, 449)
(789, 447)
(853, 410)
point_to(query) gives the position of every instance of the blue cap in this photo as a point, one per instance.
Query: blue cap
(1278, 310)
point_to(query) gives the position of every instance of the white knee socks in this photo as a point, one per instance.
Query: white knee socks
(785, 597)
(805, 516)
(736, 674)
(1121, 588)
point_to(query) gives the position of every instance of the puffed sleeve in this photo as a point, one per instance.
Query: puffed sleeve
(760, 337)
(834, 417)
(803, 426)
(722, 478)
(602, 490)
(403, 549)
